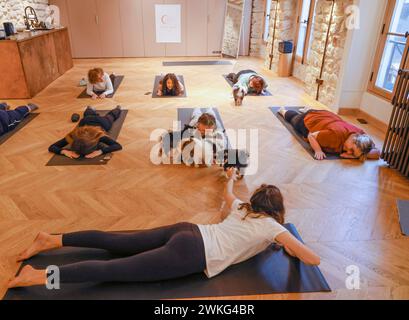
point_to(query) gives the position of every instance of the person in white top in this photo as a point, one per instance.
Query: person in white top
(99, 83)
(177, 250)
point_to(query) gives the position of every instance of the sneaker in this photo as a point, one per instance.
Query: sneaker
(32, 106)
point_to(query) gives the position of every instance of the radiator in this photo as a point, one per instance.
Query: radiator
(396, 147)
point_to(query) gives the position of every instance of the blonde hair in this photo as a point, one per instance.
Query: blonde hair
(364, 143)
(94, 75)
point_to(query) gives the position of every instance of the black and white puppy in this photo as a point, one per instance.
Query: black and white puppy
(238, 159)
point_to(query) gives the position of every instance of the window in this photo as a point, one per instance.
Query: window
(305, 18)
(392, 49)
(266, 33)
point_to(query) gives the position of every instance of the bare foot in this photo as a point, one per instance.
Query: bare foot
(42, 242)
(28, 277)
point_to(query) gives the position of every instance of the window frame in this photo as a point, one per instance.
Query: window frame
(265, 19)
(308, 32)
(386, 24)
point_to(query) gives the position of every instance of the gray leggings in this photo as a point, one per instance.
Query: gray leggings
(148, 255)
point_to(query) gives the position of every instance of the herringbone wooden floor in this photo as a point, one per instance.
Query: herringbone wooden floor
(344, 210)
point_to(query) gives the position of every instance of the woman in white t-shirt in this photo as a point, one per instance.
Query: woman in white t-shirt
(100, 84)
(177, 250)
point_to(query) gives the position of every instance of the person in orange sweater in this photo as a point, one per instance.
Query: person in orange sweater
(328, 133)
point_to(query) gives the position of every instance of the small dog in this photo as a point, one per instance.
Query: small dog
(238, 159)
(238, 93)
(197, 152)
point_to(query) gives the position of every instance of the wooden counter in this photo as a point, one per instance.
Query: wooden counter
(30, 61)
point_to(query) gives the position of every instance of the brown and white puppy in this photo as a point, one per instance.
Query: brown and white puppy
(238, 94)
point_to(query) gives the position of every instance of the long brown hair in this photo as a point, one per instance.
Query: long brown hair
(176, 89)
(84, 140)
(266, 201)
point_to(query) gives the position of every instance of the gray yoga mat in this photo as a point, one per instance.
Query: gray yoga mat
(196, 63)
(184, 117)
(116, 84)
(60, 160)
(21, 125)
(403, 210)
(296, 135)
(156, 84)
(271, 271)
(265, 93)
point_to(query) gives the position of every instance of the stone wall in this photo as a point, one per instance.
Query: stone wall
(13, 10)
(285, 28)
(335, 50)
(257, 45)
(310, 71)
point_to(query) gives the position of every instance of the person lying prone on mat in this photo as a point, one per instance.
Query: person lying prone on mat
(172, 87)
(10, 119)
(246, 82)
(89, 139)
(100, 84)
(328, 133)
(203, 129)
(206, 125)
(177, 250)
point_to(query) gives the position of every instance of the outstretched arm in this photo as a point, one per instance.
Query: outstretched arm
(297, 249)
(229, 196)
(312, 139)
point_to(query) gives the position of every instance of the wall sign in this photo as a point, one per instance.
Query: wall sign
(168, 23)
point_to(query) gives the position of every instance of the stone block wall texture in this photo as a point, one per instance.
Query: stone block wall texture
(335, 50)
(257, 45)
(308, 73)
(285, 28)
(13, 10)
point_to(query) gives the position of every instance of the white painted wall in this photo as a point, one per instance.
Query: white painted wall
(359, 54)
(358, 62)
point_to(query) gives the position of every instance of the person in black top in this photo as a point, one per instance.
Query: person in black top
(89, 139)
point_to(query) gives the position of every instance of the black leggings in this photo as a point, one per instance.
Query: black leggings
(148, 255)
(91, 117)
(297, 121)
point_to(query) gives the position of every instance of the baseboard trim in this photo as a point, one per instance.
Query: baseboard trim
(362, 114)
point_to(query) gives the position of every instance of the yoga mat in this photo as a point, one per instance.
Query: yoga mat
(116, 84)
(271, 271)
(296, 135)
(196, 63)
(22, 124)
(265, 93)
(184, 116)
(156, 84)
(403, 211)
(60, 160)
